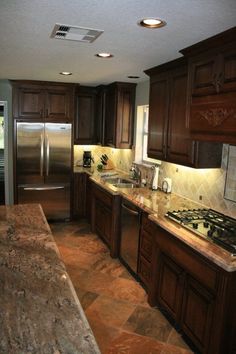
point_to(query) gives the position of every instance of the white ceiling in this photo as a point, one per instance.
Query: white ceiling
(28, 52)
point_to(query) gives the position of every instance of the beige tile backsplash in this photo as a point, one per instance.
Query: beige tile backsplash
(201, 185)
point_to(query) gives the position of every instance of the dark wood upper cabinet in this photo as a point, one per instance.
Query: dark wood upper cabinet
(212, 88)
(85, 115)
(168, 132)
(119, 115)
(100, 114)
(37, 100)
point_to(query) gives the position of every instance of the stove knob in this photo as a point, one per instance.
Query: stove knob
(209, 233)
(206, 224)
(195, 225)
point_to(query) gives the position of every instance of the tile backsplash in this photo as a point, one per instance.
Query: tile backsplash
(201, 185)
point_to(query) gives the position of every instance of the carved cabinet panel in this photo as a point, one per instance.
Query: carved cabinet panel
(212, 88)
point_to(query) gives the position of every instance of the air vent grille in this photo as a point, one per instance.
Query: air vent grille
(75, 33)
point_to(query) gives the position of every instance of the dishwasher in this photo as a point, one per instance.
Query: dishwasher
(129, 240)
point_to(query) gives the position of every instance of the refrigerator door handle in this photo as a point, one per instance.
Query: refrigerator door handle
(42, 188)
(47, 155)
(41, 155)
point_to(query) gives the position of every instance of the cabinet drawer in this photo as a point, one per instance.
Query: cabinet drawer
(144, 270)
(202, 269)
(147, 225)
(146, 245)
(105, 197)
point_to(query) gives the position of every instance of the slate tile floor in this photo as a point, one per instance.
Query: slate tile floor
(114, 303)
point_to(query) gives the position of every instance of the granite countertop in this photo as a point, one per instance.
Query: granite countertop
(157, 203)
(39, 309)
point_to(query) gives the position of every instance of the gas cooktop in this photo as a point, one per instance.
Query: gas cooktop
(210, 224)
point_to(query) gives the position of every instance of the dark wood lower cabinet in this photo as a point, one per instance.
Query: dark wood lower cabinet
(102, 221)
(170, 286)
(105, 217)
(194, 292)
(145, 251)
(79, 195)
(197, 313)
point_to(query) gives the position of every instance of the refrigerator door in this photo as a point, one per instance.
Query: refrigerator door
(44, 167)
(57, 153)
(30, 153)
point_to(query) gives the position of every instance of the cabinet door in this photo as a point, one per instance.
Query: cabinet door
(179, 145)
(158, 116)
(100, 115)
(102, 221)
(58, 103)
(110, 117)
(79, 195)
(197, 313)
(203, 73)
(125, 114)
(227, 72)
(88, 199)
(170, 286)
(28, 103)
(84, 119)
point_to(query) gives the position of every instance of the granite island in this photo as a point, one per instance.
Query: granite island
(39, 309)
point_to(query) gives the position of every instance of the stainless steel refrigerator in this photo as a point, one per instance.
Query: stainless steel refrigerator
(43, 166)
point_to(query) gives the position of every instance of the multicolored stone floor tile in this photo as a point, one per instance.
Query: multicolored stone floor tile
(114, 303)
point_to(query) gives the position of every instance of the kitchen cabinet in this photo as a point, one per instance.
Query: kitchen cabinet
(85, 99)
(79, 195)
(194, 292)
(212, 87)
(119, 115)
(38, 100)
(168, 133)
(145, 250)
(105, 217)
(88, 199)
(100, 114)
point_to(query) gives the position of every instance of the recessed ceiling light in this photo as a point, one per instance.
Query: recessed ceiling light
(152, 23)
(133, 77)
(104, 55)
(65, 73)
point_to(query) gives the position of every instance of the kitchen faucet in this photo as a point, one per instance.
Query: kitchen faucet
(136, 174)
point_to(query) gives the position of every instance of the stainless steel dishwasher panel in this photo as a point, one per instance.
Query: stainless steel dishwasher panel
(129, 242)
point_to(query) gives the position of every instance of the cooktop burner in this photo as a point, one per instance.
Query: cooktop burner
(210, 224)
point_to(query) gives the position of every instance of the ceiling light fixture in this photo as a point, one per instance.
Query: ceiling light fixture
(152, 23)
(104, 55)
(66, 73)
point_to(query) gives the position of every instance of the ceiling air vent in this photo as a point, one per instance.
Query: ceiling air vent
(75, 33)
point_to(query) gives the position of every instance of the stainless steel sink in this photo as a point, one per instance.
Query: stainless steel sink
(120, 182)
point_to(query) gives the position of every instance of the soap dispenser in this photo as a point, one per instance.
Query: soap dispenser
(154, 183)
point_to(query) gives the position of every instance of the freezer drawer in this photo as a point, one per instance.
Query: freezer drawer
(54, 199)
